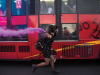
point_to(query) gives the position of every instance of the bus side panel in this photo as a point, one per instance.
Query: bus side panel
(69, 18)
(18, 20)
(3, 20)
(89, 26)
(47, 19)
(33, 22)
(8, 51)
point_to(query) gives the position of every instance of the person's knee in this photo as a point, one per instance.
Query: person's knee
(52, 60)
(47, 63)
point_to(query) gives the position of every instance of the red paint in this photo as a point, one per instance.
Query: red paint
(18, 20)
(8, 55)
(87, 32)
(68, 18)
(33, 22)
(33, 37)
(77, 56)
(3, 20)
(22, 55)
(34, 51)
(50, 19)
(47, 19)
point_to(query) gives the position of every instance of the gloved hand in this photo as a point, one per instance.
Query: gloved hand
(54, 51)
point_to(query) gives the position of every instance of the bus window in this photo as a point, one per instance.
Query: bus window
(2, 7)
(88, 6)
(69, 31)
(68, 6)
(18, 7)
(47, 7)
(31, 7)
(23, 37)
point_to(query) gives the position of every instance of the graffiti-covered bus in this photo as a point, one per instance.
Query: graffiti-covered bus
(78, 23)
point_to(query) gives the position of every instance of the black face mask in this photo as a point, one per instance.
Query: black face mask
(55, 33)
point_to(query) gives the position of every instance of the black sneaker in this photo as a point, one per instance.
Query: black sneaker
(55, 71)
(34, 67)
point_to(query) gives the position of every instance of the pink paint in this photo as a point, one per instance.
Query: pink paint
(3, 20)
(33, 22)
(18, 20)
(20, 32)
(18, 4)
(69, 18)
(47, 19)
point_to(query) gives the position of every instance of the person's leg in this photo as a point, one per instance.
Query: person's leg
(34, 67)
(52, 62)
(52, 65)
(44, 63)
(54, 59)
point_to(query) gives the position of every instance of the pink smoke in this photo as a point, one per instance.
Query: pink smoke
(20, 32)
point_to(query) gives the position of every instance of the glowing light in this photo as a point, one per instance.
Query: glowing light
(0, 5)
(65, 3)
(15, 1)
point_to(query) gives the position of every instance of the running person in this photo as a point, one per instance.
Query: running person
(47, 54)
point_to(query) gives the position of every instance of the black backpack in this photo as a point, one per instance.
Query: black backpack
(40, 44)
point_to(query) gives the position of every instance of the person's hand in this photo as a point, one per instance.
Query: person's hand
(48, 36)
(54, 51)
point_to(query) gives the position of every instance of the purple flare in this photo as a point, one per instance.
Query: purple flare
(20, 32)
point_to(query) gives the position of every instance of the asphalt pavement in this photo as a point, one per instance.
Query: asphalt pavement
(66, 67)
